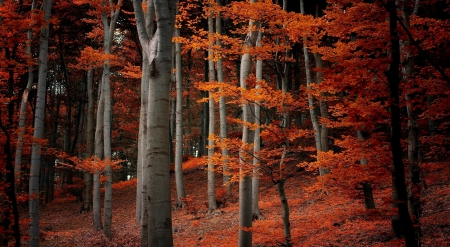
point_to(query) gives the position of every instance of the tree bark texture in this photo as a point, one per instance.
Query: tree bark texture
(36, 159)
(398, 169)
(159, 50)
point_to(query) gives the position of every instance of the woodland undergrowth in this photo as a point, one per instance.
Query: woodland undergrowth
(331, 216)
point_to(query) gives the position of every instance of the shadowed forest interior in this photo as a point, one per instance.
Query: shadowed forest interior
(224, 123)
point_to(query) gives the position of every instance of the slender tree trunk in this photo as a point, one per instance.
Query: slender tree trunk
(398, 171)
(245, 181)
(181, 193)
(245, 153)
(108, 34)
(222, 108)
(98, 152)
(142, 174)
(285, 210)
(36, 159)
(413, 141)
(90, 131)
(320, 131)
(257, 140)
(23, 110)
(212, 204)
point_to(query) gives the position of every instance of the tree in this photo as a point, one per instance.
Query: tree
(142, 173)
(159, 51)
(108, 34)
(181, 193)
(36, 159)
(245, 182)
(212, 204)
(23, 109)
(398, 175)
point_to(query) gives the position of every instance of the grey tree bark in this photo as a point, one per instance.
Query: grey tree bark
(212, 204)
(36, 159)
(142, 173)
(159, 50)
(23, 110)
(320, 131)
(108, 34)
(222, 108)
(245, 153)
(257, 139)
(98, 155)
(181, 192)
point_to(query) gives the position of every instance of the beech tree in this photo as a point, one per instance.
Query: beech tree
(245, 182)
(159, 51)
(36, 160)
(181, 193)
(212, 204)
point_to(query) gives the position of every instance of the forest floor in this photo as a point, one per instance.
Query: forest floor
(337, 218)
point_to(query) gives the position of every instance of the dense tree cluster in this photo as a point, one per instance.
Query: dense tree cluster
(95, 92)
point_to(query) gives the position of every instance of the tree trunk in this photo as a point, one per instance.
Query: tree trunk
(98, 152)
(285, 215)
(142, 174)
(398, 171)
(413, 140)
(212, 204)
(245, 153)
(36, 159)
(226, 173)
(108, 34)
(90, 130)
(320, 134)
(159, 50)
(181, 193)
(257, 139)
(23, 111)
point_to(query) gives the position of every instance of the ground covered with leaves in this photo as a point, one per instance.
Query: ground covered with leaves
(319, 215)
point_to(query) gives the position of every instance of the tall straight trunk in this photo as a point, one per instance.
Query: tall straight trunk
(108, 34)
(173, 104)
(36, 158)
(212, 204)
(226, 173)
(90, 131)
(54, 113)
(188, 108)
(245, 181)
(142, 174)
(413, 187)
(320, 134)
(181, 192)
(98, 154)
(323, 106)
(257, 139)
(311, 104)
(159, 50)
(23, 110)
(398, 173)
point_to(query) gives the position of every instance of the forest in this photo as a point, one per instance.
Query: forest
(224, 123)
